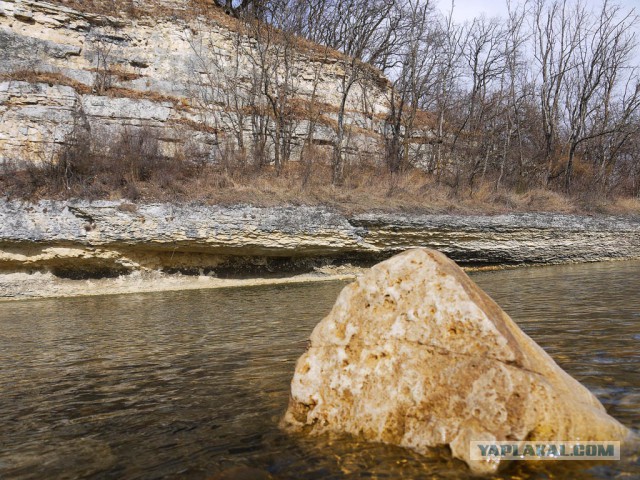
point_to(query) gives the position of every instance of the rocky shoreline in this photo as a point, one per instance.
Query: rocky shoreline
(81, 240)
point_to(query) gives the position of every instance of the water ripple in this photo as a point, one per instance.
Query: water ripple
(187, 384)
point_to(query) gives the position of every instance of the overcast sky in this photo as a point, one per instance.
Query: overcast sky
(468, 9)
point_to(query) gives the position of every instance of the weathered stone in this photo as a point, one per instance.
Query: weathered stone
(415, 354)
(516, 239)
(161, 81)
(50, 234)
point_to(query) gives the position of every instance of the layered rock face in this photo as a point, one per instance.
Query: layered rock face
(159, 66)
(104, 238)
(81, 239)
(415, 354)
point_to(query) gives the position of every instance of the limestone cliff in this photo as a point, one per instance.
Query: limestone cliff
(161, 66)
(93, 239)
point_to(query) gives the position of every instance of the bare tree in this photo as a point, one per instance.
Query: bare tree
(447, 76)
(417, 58)
(515, 83)
(254, 8)
(366, 34)
(219, 90)
(103, 44)
(516, 101)
(604, 45)
(557, 31)
(273, 56)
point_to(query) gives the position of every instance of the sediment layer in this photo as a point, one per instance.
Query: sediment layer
(80, 239)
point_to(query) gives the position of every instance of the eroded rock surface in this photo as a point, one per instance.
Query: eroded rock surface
(159, 68)
(81, 239)
(415, 354)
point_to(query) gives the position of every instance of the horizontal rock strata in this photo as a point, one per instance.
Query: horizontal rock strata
(168, 72)
(93, 239)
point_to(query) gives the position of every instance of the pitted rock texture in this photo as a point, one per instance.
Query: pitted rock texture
(415, 354)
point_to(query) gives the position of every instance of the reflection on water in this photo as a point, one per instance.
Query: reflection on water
(188, 384)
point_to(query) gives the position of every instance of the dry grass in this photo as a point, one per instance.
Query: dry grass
(118, 71)
(52, 78)
(194, 9)
(615, 205)
(541, 199)
(196, 126)
(179, 103)
(621, 206)
(131, 167)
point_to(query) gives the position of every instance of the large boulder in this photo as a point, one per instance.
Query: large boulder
(415, 354)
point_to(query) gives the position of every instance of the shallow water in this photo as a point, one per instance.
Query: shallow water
(187, 384)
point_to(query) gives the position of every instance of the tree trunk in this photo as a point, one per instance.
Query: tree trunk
(569, 168)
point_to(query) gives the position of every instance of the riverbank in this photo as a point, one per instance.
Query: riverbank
(53, 248)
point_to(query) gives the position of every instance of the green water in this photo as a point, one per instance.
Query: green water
(188, 384)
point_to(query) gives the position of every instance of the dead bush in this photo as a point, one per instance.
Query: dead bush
(131, 165)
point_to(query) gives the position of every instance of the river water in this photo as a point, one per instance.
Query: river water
(192, 383)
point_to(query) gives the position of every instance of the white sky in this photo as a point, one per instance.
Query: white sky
(468, 9)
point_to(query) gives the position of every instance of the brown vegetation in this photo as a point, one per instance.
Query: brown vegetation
(539, 111)
(131, 166)
(547, 98)
(55, 78)
(52, 78)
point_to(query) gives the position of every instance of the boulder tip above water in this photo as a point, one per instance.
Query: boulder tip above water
(415, 354)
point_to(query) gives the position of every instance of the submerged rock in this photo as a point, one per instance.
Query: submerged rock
(415, 354)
